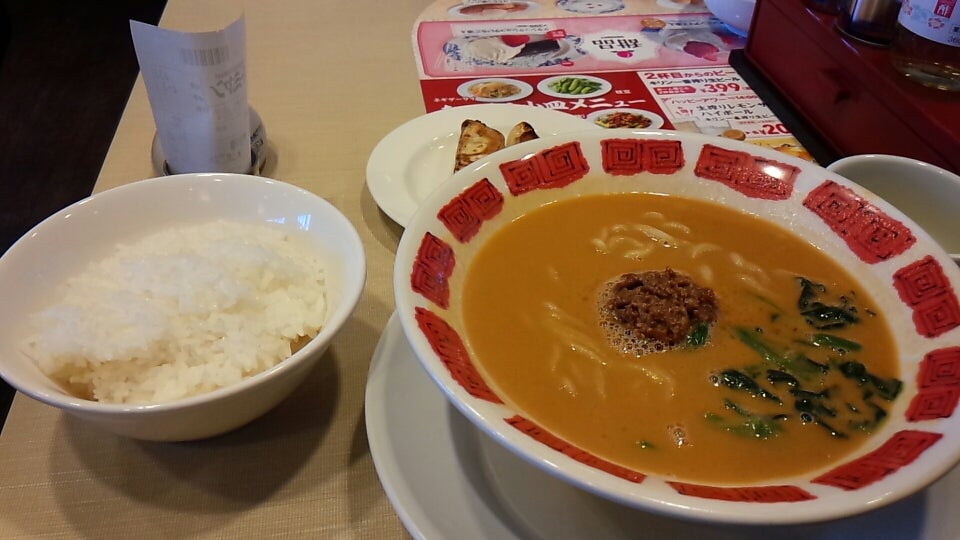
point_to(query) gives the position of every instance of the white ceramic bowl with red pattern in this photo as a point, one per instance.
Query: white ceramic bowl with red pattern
(905, 277)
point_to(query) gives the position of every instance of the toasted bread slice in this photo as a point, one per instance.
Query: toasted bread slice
(477, 140)
(521, 132)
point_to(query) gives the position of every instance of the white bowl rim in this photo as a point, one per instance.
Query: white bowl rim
(866, 158)
(337, 318)
(838, 165)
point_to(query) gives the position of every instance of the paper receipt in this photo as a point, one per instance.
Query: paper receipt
(197, 87)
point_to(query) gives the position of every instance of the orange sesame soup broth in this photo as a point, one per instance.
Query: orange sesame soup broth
(768, 395)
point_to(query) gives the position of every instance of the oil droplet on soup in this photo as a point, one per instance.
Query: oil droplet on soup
(797, 370)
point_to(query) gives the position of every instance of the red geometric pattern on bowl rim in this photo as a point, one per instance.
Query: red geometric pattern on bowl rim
(938, 386)
(553, 167)
(753, 176)
(900, 450)
(872, 235)
(464, 214)
(940, 368)
(541, 435)
(748, 494)
(933, 403)
(625, 157)
(432, 267)
(448, 346)
(924, 287)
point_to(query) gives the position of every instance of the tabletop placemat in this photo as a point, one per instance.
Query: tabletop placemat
(668, 60)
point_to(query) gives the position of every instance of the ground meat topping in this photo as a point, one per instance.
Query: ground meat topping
(661, 306)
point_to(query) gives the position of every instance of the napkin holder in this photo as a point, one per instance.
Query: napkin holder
(258, 149)
(847, 91)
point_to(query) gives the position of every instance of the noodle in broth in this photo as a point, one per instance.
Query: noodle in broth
(792, 395)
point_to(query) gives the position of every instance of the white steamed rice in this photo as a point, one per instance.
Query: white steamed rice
(181, 312)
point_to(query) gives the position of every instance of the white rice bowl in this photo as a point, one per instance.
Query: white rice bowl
(197, 338)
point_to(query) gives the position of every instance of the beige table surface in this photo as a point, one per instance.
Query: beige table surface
(329, 79)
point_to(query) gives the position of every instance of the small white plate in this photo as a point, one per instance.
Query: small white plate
(656, 121)
(523, 90)
(544, 86)
(446, 479)
(416, 157)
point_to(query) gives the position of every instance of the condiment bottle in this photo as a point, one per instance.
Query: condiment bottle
(927, 46)
(870, 21)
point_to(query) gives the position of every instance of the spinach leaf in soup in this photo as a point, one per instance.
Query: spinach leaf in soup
(813, 380)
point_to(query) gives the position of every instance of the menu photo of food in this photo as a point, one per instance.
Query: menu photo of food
(494, 90)
(492, 10)
(574, 86)
(553, 46)
(510, 51)
(469, 10)
(624, 118)
(592, 7)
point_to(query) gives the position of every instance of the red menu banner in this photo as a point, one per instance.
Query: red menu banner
(636, 64)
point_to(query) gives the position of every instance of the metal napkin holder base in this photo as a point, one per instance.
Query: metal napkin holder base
(258, 149)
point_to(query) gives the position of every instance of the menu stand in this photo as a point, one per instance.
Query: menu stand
(848, 91)
(806, 134)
